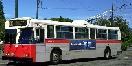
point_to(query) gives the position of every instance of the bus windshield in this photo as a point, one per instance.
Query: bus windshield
(26, 36)
(10, 36)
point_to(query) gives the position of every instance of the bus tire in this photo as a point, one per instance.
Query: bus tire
(107, 53)
(55, 57)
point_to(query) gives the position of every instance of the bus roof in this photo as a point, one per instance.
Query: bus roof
(75, 23)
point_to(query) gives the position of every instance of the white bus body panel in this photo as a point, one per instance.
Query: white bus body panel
(43, 52)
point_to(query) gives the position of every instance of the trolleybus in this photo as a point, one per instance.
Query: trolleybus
(34, 40)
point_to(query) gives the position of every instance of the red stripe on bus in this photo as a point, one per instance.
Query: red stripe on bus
(65, 41)
(108, 41)
(59, 41)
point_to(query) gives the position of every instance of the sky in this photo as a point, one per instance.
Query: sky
(74, 9)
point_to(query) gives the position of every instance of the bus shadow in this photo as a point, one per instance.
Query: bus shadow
(83, 60)
(64, 61)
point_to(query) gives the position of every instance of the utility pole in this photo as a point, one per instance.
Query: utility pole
(112, 13)
(38, 2)
(16, 8)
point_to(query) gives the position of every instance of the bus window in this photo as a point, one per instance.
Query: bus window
(92, 33)
(81, 33)
(26, 36)
(64, 32)
(40, 35)
(101, 33)
(10, 36)
(50, 31)
(112, 34)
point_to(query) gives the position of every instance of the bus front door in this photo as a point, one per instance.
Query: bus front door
(40, 46)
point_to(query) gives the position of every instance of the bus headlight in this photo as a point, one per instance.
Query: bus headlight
(12, 54)
(6, 54)
(26, 55)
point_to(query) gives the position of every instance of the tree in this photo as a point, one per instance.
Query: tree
(102, 22)
(61, 19)
(2, 21)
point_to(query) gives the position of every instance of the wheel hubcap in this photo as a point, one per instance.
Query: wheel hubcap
(55, 57)
(107, 55)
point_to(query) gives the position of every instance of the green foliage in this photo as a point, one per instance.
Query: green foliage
(1, 11)
(2, 21)
(124, 46)
(61, 19)
(102, 22)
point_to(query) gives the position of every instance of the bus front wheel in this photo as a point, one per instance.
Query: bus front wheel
(55, 57)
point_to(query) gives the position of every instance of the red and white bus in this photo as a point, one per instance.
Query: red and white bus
(35, 40)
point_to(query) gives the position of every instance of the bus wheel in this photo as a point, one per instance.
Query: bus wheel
(107, 53)
(55, 57)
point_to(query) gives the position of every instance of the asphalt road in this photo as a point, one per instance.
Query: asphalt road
(124, 59)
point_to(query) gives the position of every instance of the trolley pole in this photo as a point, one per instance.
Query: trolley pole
(16, 8)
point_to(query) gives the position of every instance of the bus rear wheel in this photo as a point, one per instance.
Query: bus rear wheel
(107, 53)
(55, 57)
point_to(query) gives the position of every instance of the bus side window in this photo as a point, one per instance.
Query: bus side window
(64, 32)
(50, 31)
(92, 33)
(81, 33)
(112, 34)
(101, 33)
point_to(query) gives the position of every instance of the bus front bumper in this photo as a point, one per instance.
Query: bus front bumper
(17, 58)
